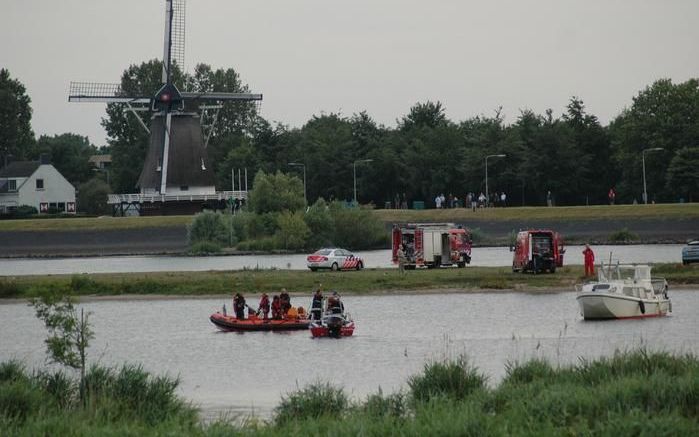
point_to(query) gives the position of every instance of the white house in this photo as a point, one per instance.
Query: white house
(37, 184)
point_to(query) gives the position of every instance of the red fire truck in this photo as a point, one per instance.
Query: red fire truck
(537, 250)
(432, 244)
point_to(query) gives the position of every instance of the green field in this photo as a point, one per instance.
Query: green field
(368, 281)
(630, 212)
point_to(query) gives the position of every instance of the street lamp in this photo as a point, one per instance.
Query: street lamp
(643, 158)
(486, 174)
(354, 172)
(298, 164)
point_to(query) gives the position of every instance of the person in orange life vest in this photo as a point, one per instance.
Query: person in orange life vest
(264, 306)
(276, 308)
(589, 261)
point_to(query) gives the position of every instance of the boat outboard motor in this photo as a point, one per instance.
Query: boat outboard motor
(334, 324)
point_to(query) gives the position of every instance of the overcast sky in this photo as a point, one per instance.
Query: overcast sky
(382, 56)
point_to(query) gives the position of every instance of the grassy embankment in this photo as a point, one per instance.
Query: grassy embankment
(630, 212)
(638, 393)
(302, 282)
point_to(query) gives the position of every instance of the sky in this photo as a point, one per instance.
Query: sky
(309, 57)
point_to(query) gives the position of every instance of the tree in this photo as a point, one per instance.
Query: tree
(69, 153)
(69, 335)
(293, 231)
(662, 115)
(276, 193)
(92, 197)
(683, 174)
(426, 114)
(15, 118)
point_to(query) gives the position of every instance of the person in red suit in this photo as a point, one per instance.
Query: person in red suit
(264, 306)
(589, 261)
(276, 308)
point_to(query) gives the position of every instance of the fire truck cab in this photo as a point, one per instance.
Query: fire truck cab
(432, 244)
(537, 250)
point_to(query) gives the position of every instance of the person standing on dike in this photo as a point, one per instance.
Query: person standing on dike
(589, 261)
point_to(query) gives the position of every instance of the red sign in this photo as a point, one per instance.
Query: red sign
(70, 206)
(44, 207)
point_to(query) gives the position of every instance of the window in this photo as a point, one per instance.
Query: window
(12, 185)
(61, 207)
(39, 184)
(184, 187)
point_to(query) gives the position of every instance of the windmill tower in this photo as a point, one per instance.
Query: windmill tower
(176, 164)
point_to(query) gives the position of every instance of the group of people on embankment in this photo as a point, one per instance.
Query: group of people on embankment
(281, 308)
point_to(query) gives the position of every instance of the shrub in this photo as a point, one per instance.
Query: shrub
(357, 228)
(209, 226)
(623, 236)
(9, 288)
(320, 223)
(82, 283)
(262, 225)
(313, 401)
(451, 379)
(24, 211)
(275, 193)
(204, 247)
(293, 231)
(92, 197)
(240, 225)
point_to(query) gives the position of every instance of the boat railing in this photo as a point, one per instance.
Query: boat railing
(659, 285)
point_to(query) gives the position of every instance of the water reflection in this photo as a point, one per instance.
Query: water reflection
(395, 336)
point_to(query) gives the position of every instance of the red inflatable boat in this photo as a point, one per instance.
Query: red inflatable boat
(334, 326)
(254, 323)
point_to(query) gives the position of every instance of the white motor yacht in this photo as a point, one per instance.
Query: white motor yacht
(624, 292)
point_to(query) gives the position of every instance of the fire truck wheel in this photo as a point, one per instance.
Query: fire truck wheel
(334, 267)
(359, 266)
(553, 269)
(461, 264)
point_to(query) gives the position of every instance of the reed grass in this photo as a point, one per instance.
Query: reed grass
(632, 393)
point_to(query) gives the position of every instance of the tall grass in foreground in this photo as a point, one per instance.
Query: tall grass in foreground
(125, 401)
(636, 393)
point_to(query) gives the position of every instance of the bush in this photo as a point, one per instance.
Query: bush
(262, 225)
(276, 193)
(204, 247)
(9, 288)
(451, 379)
(262, 244)
(623, 236)
(293, 231)
(320, 223)
(92, 197)
(357, 228)
(313, 401)
(24, 211)
(209, 226)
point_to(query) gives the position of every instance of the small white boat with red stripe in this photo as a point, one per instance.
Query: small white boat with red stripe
(624, 292)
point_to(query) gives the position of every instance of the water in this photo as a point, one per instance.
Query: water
(482, 256)
(395, 336)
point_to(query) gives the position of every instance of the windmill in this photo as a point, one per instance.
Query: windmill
(176, 162)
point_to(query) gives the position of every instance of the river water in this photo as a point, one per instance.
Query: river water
(395, 336)
(482, 256)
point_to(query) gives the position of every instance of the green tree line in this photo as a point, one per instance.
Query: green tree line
(568, 152)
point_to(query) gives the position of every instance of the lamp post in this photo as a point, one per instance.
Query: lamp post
(486, 174)
(354, 172)
(643, 158)
(298, 164)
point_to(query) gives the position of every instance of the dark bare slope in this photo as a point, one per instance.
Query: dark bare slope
(86, 243)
